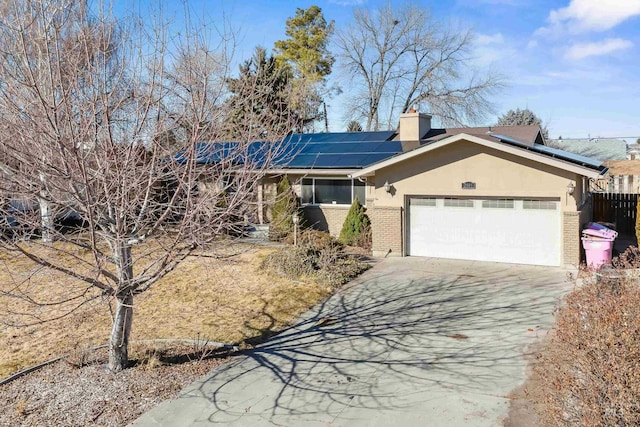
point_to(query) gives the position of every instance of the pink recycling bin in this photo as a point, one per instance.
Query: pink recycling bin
(598, 251)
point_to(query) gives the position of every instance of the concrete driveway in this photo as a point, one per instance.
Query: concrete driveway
(413, 341)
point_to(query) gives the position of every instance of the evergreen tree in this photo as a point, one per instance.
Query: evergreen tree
(354, 126)
(306, 48)
(355, 224)
(520, 117)
(283, 209)
(263, 92)
(305, 52)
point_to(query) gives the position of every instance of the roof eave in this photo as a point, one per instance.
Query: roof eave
(522, 152)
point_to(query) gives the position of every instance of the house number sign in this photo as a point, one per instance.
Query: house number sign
(468, 185)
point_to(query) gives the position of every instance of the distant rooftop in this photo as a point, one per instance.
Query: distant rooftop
(528, 134)
(623, 167)
(601, 149)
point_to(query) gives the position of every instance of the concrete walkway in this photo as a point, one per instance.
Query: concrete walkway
(412, 342)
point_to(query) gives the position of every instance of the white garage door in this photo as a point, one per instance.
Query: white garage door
(501, 230)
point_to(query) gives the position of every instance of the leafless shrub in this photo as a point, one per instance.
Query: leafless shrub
(630, 258)
(78, 357)
(327, 257)
(202, 348)
(291, 262)
(590, 364)
(318, 255)
(318, 240)
(364, 240)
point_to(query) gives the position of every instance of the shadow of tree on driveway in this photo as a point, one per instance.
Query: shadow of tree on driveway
(389, 342)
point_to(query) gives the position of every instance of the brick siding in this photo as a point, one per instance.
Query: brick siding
(326, 218)
(386, 226)
(571, 238)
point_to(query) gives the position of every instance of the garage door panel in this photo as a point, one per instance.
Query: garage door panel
(516, 235)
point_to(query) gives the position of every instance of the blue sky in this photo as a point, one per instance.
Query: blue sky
(575, 63)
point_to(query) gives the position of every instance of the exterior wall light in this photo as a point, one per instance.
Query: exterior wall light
(387, 187)
(570, 188)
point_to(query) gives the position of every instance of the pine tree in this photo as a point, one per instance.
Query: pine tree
(520, 117)
(305, 53)
(283, 209)
(355, 224)
(306, 48)
(263, 92)
(354, 126)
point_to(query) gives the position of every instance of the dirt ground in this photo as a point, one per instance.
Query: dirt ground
(65, 395)
(526, 401)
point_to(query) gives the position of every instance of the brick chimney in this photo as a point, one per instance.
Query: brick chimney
(413, 126)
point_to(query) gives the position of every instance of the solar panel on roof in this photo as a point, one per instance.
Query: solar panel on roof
(326, 150)
(510, 139)
(353, 147)
(340, 136)
(576, 158)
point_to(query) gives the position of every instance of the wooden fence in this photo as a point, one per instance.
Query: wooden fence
(618, 208)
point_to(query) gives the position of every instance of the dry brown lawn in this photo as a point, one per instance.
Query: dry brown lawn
(221, 299)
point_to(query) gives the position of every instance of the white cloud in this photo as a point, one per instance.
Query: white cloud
(590, 15)
(490, 49)
(604, 47)
(486, 39)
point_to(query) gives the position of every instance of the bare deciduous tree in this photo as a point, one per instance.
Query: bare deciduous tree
(86, 103)
(398, 58)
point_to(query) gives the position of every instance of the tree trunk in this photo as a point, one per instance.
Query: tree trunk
(46, 221)
(119, 341)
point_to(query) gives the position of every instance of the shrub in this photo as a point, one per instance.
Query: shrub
(291, 262)
(590, 365)
(630, 258)
(283, 209)
(318, 256)
(364, 241)
(355, 224)
(318, 240)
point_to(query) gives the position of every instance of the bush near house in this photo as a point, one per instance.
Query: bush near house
(356, 224)
(285, 206)
(317, 256)
(590, 366)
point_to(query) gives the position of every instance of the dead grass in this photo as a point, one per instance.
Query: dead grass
(590, 363)
(226, 300)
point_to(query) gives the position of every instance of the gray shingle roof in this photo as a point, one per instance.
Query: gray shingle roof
(525, 133)
(597, 148)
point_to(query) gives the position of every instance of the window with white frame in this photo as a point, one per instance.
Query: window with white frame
(498, 203)
(333, 191)
(453, 202)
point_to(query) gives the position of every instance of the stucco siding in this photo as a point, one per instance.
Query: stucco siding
(441, 172)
